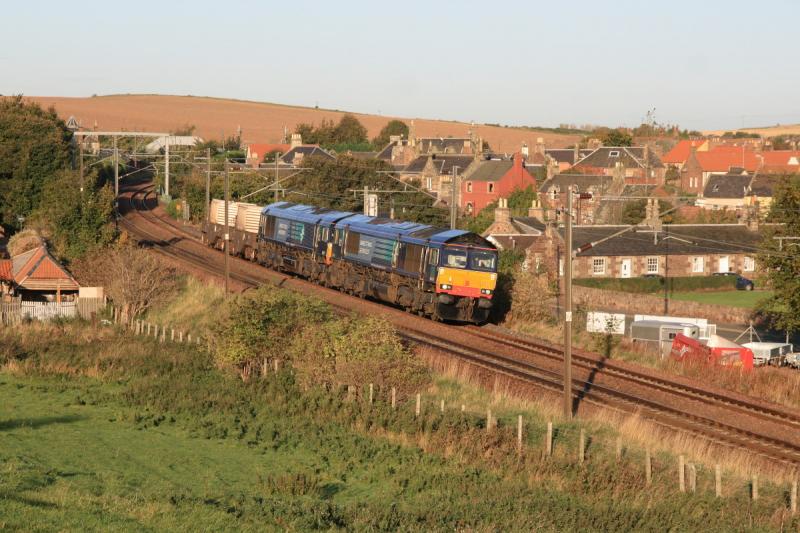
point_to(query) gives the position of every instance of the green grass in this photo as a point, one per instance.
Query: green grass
(747, 299)
(101, 431)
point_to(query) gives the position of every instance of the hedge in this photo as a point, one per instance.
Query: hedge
(656, 285)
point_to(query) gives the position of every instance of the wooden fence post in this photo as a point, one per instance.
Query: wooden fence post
(692, 477)
(394, 398)
(755, 487)
(548, 443)
(488, 420)
(681, 474)
(441, 406)
(371, 388)
(275, 364)
(264, 367)
(189, 338)
(417, 409)
(582, 446)
(463, 408)
(793, 498)
(519, 433)
(180, 336)
(172, 335)
(148, 329)
(648, 467)
(718, 481)
(619, 448)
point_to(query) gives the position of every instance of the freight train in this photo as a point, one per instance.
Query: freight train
(440, 273)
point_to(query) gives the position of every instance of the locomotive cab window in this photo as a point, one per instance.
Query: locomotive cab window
(482, 260)
(454, 258)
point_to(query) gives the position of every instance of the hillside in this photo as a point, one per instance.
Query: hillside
(260, 122)
(766, 131)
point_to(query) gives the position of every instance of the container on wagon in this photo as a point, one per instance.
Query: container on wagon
(217, 212)
(248, 217)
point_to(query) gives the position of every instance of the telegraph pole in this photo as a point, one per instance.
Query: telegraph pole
(453, 204)
(568, 309)
(166, 169)
(208, 184)
(277, 156)
(227, 227)
(116, 169)
(81, 164)
(366, 199)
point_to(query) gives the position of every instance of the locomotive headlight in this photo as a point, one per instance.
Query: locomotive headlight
(486, 291)
(445, 286)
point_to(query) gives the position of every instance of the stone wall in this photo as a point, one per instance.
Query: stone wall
(648, 304)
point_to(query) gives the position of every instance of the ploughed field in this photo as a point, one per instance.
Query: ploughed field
(260, 121)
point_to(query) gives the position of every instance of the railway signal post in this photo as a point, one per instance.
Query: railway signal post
(568, 308)
(227, 226)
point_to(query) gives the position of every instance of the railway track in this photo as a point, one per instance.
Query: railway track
(719, 416)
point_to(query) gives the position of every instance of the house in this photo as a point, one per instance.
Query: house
(727, 191)
(667, 250)
(435, 172)
(296, 154)
(255, 152)
(780, 162)
(523, 233)
(489, 180)
(637, 164)
(553, 194)
(719, 160)
(35, 275)
(680, 152)
(398, 153)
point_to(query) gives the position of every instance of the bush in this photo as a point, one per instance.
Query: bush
(262, 323)
(357, 351)
(530, 297)
(656, 285)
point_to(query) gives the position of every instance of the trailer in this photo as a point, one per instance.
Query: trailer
(772, 353)
(662, 333)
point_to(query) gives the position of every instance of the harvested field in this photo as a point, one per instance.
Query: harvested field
(767, 131)
(260, 121)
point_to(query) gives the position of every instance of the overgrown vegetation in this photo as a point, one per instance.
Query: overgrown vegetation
(519, 201)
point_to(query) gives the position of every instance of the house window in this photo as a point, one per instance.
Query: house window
(430, 183)
(469, 186)
(749, 264)
(598, 266)
(613, 153)
(561, 267)
(698, 265)
(491, 187)
(469, 207)
(652, 265)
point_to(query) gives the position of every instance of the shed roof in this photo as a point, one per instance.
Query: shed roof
(36, 269)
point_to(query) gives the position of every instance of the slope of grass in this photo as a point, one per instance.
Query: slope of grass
(747, 299)
(100, 430)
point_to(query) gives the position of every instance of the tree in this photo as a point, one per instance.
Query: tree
(781, 261)
(34, 145)
(617, 137)
(393, 127)
(349, 131)
(134, 278)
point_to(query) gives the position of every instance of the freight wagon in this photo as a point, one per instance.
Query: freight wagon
(440, 273)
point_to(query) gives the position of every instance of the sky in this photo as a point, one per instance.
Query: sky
(710, 64)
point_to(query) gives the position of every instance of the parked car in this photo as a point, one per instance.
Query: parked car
(657, 276)
(742, 283)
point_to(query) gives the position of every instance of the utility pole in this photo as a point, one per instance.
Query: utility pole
(568, 308)
(116, 169)
(166, 168)
(277, 156)
(227, 227)
(208, 184)
(366, 199)
(453, 199)
(81, 164)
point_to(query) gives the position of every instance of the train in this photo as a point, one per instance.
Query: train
(440, 273)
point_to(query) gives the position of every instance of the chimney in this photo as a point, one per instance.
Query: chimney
(540, 145)
(502, 214)
(296, 140)
(535, 210)
(577, 153)
(525, 150)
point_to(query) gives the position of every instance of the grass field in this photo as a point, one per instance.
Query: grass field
(106, 432)
(748, 299)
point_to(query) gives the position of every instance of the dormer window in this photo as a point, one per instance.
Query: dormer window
(613, 153)
(715, 188)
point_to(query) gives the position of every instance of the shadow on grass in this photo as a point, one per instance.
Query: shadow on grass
(27, 501)
(36, 423)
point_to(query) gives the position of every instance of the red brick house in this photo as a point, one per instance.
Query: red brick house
(720, 160)
(256, 151)
(489, 180)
